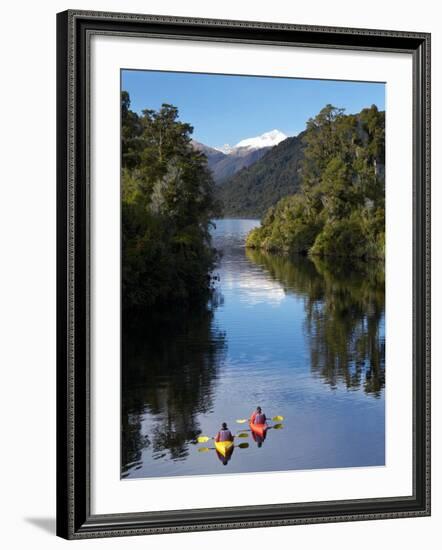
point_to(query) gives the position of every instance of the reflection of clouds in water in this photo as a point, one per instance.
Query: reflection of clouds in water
(248, 282)
(253, 288)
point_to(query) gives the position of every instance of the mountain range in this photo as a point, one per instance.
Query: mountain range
(226, 161)
(251, 191)
(275, 170)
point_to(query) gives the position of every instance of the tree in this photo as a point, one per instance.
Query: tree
(339, 209)
(167, 204)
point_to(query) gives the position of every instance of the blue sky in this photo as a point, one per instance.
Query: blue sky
(226, 109)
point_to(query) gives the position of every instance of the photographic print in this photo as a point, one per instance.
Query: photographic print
(230, 352)
(252, 268)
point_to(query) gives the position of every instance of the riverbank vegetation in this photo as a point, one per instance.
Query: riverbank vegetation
(167, 204)
(339, 209)
(253, 190)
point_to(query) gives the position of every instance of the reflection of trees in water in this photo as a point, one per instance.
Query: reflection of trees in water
(169, 366)
(344, 304)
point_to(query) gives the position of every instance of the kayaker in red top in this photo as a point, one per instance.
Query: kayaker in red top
(258, 417)
(224, 434)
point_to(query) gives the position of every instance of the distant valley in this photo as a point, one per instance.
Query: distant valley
(253, 190)
(253, 175)
(226, 161)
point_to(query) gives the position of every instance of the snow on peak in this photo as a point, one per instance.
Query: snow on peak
(226, 149)
(268, 139)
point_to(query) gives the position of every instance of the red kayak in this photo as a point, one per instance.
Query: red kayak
(258, 429)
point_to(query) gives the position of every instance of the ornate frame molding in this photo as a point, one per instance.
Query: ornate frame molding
(74, 30)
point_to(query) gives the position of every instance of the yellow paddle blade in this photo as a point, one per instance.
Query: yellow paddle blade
(243, 445)
(203, 438)
(277, 418)
(203, 449)
(243, 434)
(278, 427)
(242, 420)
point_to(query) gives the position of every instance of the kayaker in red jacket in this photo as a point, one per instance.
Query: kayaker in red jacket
(258, 417)
(224, 434)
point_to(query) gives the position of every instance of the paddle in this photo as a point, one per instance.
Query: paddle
(207, 449)
(204, 438)
(277, 418)
(274, 427)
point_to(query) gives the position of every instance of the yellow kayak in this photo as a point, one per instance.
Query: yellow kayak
(224, 447)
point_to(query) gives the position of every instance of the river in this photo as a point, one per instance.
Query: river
(303, 339)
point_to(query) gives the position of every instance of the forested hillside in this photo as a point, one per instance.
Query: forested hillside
(167, 204)
(214, 156)
(339, 209)
(224, 165)
(251, 191)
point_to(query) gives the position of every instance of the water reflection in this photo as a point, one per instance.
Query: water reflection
(169, 377)
(225, 459)
(344, 316)
(259, 439)
(303, 339)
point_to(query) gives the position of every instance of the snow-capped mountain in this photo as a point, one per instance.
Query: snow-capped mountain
(226, 149)
(268, 139)
(226, 161)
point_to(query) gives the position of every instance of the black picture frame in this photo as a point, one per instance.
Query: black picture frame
(74, 518)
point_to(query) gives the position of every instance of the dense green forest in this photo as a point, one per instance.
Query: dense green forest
(167, 204)
(339, 209)
(253, 190)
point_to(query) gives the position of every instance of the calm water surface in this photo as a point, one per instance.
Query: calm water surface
(301, 339)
